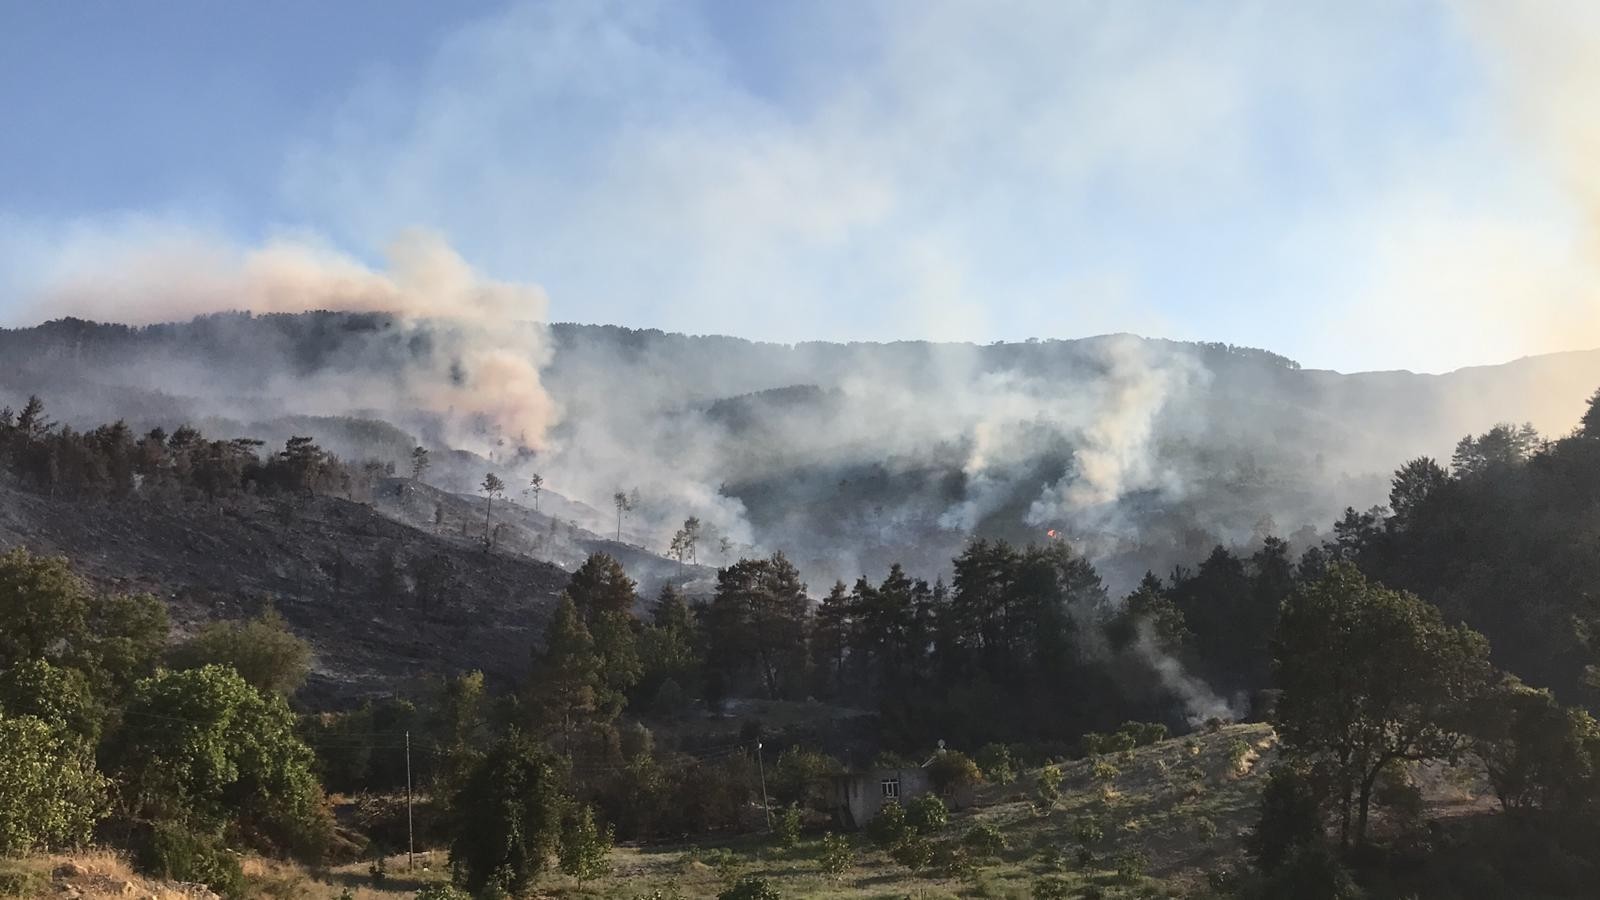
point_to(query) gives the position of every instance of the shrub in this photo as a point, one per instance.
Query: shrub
(1290, 818)
(1205, 829)
(915, 853)
(927, 814)
(1047, 787)
(1104, 770)
(50, 793)
(953, 771)
(950, 860)
(170, 852)
(1311, 872)
(1238, 752)
(836, 855)
(996, 763)
(1130, 867)
(750, 887)
(263, 651)
(585, 849)
(984, 840)
(442, 892)
(801, 777)
(1088, 831)
(1052, 887)
(889, 827)
(786, 827)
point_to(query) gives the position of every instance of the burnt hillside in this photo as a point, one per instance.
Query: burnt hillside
(381, 602)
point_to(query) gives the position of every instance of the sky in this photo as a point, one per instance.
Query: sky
(1369, 185)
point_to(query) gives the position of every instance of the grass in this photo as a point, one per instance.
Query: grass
(1164, 814)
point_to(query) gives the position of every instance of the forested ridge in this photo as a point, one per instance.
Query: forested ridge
(1452, 628)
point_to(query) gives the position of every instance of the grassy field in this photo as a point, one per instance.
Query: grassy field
(1146, 823)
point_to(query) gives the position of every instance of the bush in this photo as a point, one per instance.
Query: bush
(915, 853)
(836, 855)
(1088, 831)
(984, 840)
(1130, 867)
(1104, 770)
(1205, 829)
(996, 763)
(1047, 787)
(584, 849)
(263, 651)
(50, 793)
(801, 777)
(1052, 887)
(786, 826)
(953, 771)
(1290, 818)
(750, 887)
(927, 814)
(172, 853)
(889, 827)
(1311, 872)
(442, 892)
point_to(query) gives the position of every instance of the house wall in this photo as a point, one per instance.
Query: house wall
(858, 797)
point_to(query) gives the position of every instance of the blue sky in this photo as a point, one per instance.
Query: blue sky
(1367, 185)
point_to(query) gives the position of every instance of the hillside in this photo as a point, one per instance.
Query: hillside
(343, 575)
(848, 457)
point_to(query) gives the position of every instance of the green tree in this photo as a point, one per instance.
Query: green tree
(204, 749)
(507, 818)
(263, 651)
(585, 848)
(56, 695)
(1538, 756)
(1370, 675)
(50, 793)
(758, 619)
(566, 687)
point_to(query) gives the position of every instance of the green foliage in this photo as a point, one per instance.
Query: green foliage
(953, 771)
(263, 651)
(750, 887)
(1130, 866)
(1370, 675)
(889, 827)
(1310, 872)
(51, 615)
(1053, 887)
(927, 814)
(1290, 819)
(442, 892)
(54, 694)
(171, 852)
(1537, 754)
(50, 793)
(786, 826)
(915, 853)
(567, 687)
(996, 763)
(585, 849)
(836, 855)
(801, 777)
(1047, 788)
(1144, 733)
(205, 750)
(1088, 831)
(984, 839)
(507, 818)
(1205, 829)
(1104, 770)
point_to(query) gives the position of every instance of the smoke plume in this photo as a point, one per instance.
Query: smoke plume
(486, 340)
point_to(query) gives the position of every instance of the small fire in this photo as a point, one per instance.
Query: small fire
(1052, 534)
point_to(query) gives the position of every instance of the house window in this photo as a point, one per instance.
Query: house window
(891, 789)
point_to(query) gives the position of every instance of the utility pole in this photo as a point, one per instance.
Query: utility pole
(765, 803)
(411, 847)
